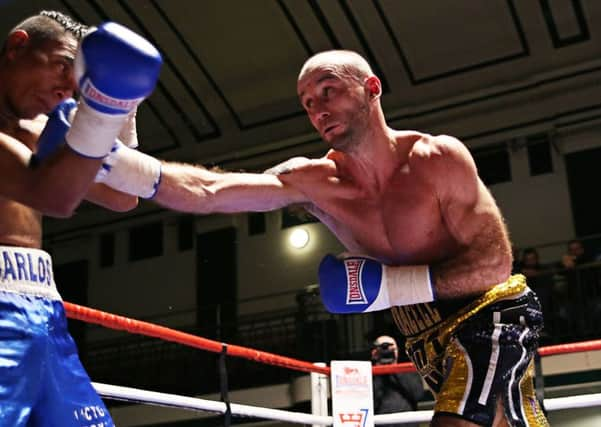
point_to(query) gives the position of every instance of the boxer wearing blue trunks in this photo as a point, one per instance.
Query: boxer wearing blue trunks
(38, 358)
(42, 381)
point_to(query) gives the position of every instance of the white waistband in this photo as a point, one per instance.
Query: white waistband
(27, 271)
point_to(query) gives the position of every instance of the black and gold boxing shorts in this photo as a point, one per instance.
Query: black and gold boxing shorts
(471, 352)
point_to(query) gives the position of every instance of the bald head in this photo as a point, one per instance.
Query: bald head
(344, 63)
(384, 350)
(384, 339)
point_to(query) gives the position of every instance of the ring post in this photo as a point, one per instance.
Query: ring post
(352, 393)
(319, 393)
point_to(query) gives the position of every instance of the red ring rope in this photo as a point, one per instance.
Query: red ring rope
(574, 347)
(114, 321)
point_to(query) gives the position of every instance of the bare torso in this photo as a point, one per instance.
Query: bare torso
(402, 225)
(21, 225)
(405, 224)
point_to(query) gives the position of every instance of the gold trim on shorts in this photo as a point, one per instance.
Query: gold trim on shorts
(446, 366)
(427, 348)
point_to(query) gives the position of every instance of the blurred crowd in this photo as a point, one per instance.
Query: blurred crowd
(569, 288)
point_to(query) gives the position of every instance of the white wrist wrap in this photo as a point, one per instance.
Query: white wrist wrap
(404, 285)
(93, 133)
(130, 171)
(128, 134)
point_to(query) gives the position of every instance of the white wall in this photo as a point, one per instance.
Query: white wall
(268, 264)
(536, 208)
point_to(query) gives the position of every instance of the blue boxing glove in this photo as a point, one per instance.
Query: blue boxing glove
(53, 135)
(357, 284)
(116, 69)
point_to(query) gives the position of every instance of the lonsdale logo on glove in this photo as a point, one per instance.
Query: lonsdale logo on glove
(92, 93)
(355, 294)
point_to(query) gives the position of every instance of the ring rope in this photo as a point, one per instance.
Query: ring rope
(114, 321)
(195, 404)
(575, 347)
(129, 394)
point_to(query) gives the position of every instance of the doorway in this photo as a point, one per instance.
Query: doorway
(217, 283)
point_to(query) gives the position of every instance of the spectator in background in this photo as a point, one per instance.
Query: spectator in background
(581, 292)
(539, 277)
(530, 265)
(394, 392)
(575, 255)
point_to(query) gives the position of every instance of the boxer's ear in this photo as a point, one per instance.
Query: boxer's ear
(15, 41)
(373, 87)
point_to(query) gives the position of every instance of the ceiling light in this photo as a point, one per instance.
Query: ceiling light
(299, 238)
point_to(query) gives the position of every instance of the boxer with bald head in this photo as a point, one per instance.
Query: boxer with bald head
(424, 237)
(42, 382)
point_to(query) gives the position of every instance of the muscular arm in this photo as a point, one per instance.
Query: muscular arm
(195, 189)
(54, 188)
(473, 219)
(105, 196)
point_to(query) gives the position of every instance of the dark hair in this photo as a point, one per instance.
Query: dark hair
(50, 25)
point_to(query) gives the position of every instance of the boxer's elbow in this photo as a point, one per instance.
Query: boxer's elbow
(127, 204)
(124, 203)
(109, 198)
(63, 214)
(59, 209)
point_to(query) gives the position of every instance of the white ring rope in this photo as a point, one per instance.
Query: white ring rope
(582, 401)
(404, 417)
(175, 401)
(554, 404)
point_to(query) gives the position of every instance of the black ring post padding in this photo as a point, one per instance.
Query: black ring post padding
(227, 416)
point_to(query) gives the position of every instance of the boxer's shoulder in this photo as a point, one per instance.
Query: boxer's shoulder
(431, 147)
(296, 165)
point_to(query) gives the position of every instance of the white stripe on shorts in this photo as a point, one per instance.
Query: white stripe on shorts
(512, 379)
(494, 358)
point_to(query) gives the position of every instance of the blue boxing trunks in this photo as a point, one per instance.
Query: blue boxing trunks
(472, 353)
(42, 381)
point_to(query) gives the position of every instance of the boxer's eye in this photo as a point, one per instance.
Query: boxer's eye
(63, 63)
